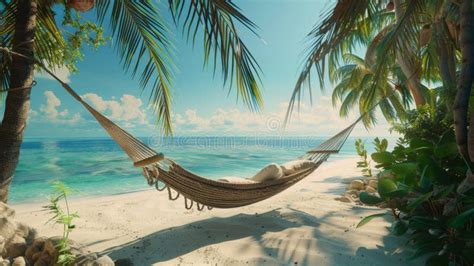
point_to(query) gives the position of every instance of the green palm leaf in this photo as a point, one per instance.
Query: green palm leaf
(342, 29)
(351, 24)
(221, 39)
(141, 38)
(49, 43)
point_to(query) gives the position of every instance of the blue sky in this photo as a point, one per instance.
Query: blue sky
(201, 104)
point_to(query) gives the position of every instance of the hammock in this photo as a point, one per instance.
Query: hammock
(200, 190)
(196, 189)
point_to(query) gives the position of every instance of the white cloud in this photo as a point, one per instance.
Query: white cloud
(319, 119)
(52, 103)
(52, 113)
(62, 73)
(128, 109)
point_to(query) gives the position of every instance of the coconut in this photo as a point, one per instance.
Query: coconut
(390, 6)
(81, 5)
(425, 35)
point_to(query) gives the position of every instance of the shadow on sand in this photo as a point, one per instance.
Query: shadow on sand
(294, 248)
(176, 241)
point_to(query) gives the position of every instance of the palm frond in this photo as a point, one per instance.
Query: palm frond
(400, 39)
(370, 54)
(354, 85)
(430, 62)
(400, 81)
(216, 19)
(348, 102)
(342, 72)
(343, 28)
(49, 43)
(141, 38)
(7, 22)
(397, 103)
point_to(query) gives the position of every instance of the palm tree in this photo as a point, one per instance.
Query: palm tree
(141, 39)
(388, 28)
(450, 27)
(354, 85)
(351, 25)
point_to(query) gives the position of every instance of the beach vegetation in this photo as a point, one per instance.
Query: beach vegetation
(364, 163)
(423, 182)
(64, 217)
(391, 57)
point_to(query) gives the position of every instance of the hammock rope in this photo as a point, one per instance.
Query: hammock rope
(194, 188)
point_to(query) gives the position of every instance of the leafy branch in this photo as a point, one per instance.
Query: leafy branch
(364, 163)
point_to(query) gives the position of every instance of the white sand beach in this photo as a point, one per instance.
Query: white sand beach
(303, 225)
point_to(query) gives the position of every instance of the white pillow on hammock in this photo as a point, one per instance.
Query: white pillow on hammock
(270, 172)
(236, 180)
(295, 166)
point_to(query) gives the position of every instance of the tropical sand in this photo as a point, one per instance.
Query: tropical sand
(304, 225)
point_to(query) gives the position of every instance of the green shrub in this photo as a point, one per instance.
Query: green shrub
(418, 181)
(63, 217)
(364, 163)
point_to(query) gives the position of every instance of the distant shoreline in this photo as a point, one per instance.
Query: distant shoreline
(26, 139)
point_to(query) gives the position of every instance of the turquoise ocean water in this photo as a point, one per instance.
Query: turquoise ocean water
(99, 167)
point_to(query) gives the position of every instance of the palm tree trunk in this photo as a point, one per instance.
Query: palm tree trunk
(17, 103)
(405, 60)
(466, 78)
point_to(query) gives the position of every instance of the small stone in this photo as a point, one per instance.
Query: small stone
(39, 243)
(47, 254)
(373, 183)
(344, 199)
(2, 245)
(16, 247)
(49, 247)
(76, 248)
(47, 258)
(35, 257)
(83, 256)
(40, 263)
(369, 189)
(357, 184)
(354, 196)
(104, 261)
(4, 262)
(26, 232)
(7, 229)
(19, 261)
(352, 192)
(31, 252)
(6, 211)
